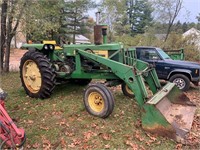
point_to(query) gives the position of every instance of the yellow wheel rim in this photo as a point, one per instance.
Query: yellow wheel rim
(32, 76)
(96, 102)
(128, 90)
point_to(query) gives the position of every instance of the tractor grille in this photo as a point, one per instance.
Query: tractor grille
(129, 57)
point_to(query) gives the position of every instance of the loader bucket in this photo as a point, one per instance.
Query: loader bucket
(169, 113)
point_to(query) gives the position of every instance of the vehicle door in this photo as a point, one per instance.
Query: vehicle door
(151, 56)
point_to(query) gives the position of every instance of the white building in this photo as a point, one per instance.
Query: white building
(80, 39)
(194, 35)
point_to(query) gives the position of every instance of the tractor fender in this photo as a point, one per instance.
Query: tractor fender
(39, 47)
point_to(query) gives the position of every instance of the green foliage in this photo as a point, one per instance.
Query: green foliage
(128, 40)
(175, 41)
(74, 17)
(126, 16)
(198, 18)
(41, 20)
(113, 13)
(178, 27)
(140, 15)
(46, 19)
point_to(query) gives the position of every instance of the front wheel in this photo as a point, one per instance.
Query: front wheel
(181, 81)
(98, 100)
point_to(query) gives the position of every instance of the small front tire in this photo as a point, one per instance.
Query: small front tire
(98, 100)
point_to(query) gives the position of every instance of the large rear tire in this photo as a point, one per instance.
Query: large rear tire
(37, 75)
(98, 100)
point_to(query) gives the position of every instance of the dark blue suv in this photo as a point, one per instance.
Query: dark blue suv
(179, 72)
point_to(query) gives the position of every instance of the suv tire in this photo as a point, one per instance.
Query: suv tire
(181, 81)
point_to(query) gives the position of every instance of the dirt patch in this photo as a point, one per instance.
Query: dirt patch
(15, 57)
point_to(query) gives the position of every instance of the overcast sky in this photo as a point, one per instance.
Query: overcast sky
(191, 8)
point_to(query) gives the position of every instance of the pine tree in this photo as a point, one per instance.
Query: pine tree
(198, 23)
(184, 27)
(74, 19)
(140, 15)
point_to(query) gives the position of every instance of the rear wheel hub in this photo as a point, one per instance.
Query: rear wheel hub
(32, 76)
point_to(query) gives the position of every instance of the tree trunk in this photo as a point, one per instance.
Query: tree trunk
(11, 31)
(75, 21)
(10, 35)
(7, 54)
(178, 6)
(3, 33)
(168, 31)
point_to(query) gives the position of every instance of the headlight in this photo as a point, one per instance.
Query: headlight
(45, 47)
(196, 71)
(51, 47)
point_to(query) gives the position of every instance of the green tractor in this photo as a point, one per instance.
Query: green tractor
(165, 110)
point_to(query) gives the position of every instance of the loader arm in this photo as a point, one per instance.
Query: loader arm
(131, 75)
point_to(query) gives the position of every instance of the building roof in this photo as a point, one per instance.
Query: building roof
(192, 31)
(194, 36)
(81, 39)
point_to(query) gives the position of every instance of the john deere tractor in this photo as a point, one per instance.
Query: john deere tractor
(165, 110)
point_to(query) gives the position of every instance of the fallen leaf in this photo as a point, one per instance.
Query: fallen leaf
(28, 146)
(63, 143)
(44, 128)
(46, 144)
(70, 134)
(106, 136)
(107, 146)
(153, 139)
(30, 121)
(138, 124)
(76, 142)
(179, 146)
(141, 147)
(137, 136)
(36, 145)
(133, 145)
(71, 145)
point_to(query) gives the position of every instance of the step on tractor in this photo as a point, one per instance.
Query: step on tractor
(11, 137)
(165, 110)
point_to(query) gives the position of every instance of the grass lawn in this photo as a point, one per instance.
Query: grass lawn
(62, 121)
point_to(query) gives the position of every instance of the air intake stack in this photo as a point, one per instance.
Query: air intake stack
(100, 32)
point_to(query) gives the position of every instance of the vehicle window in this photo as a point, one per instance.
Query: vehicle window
(149, 54)
(163, 54)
